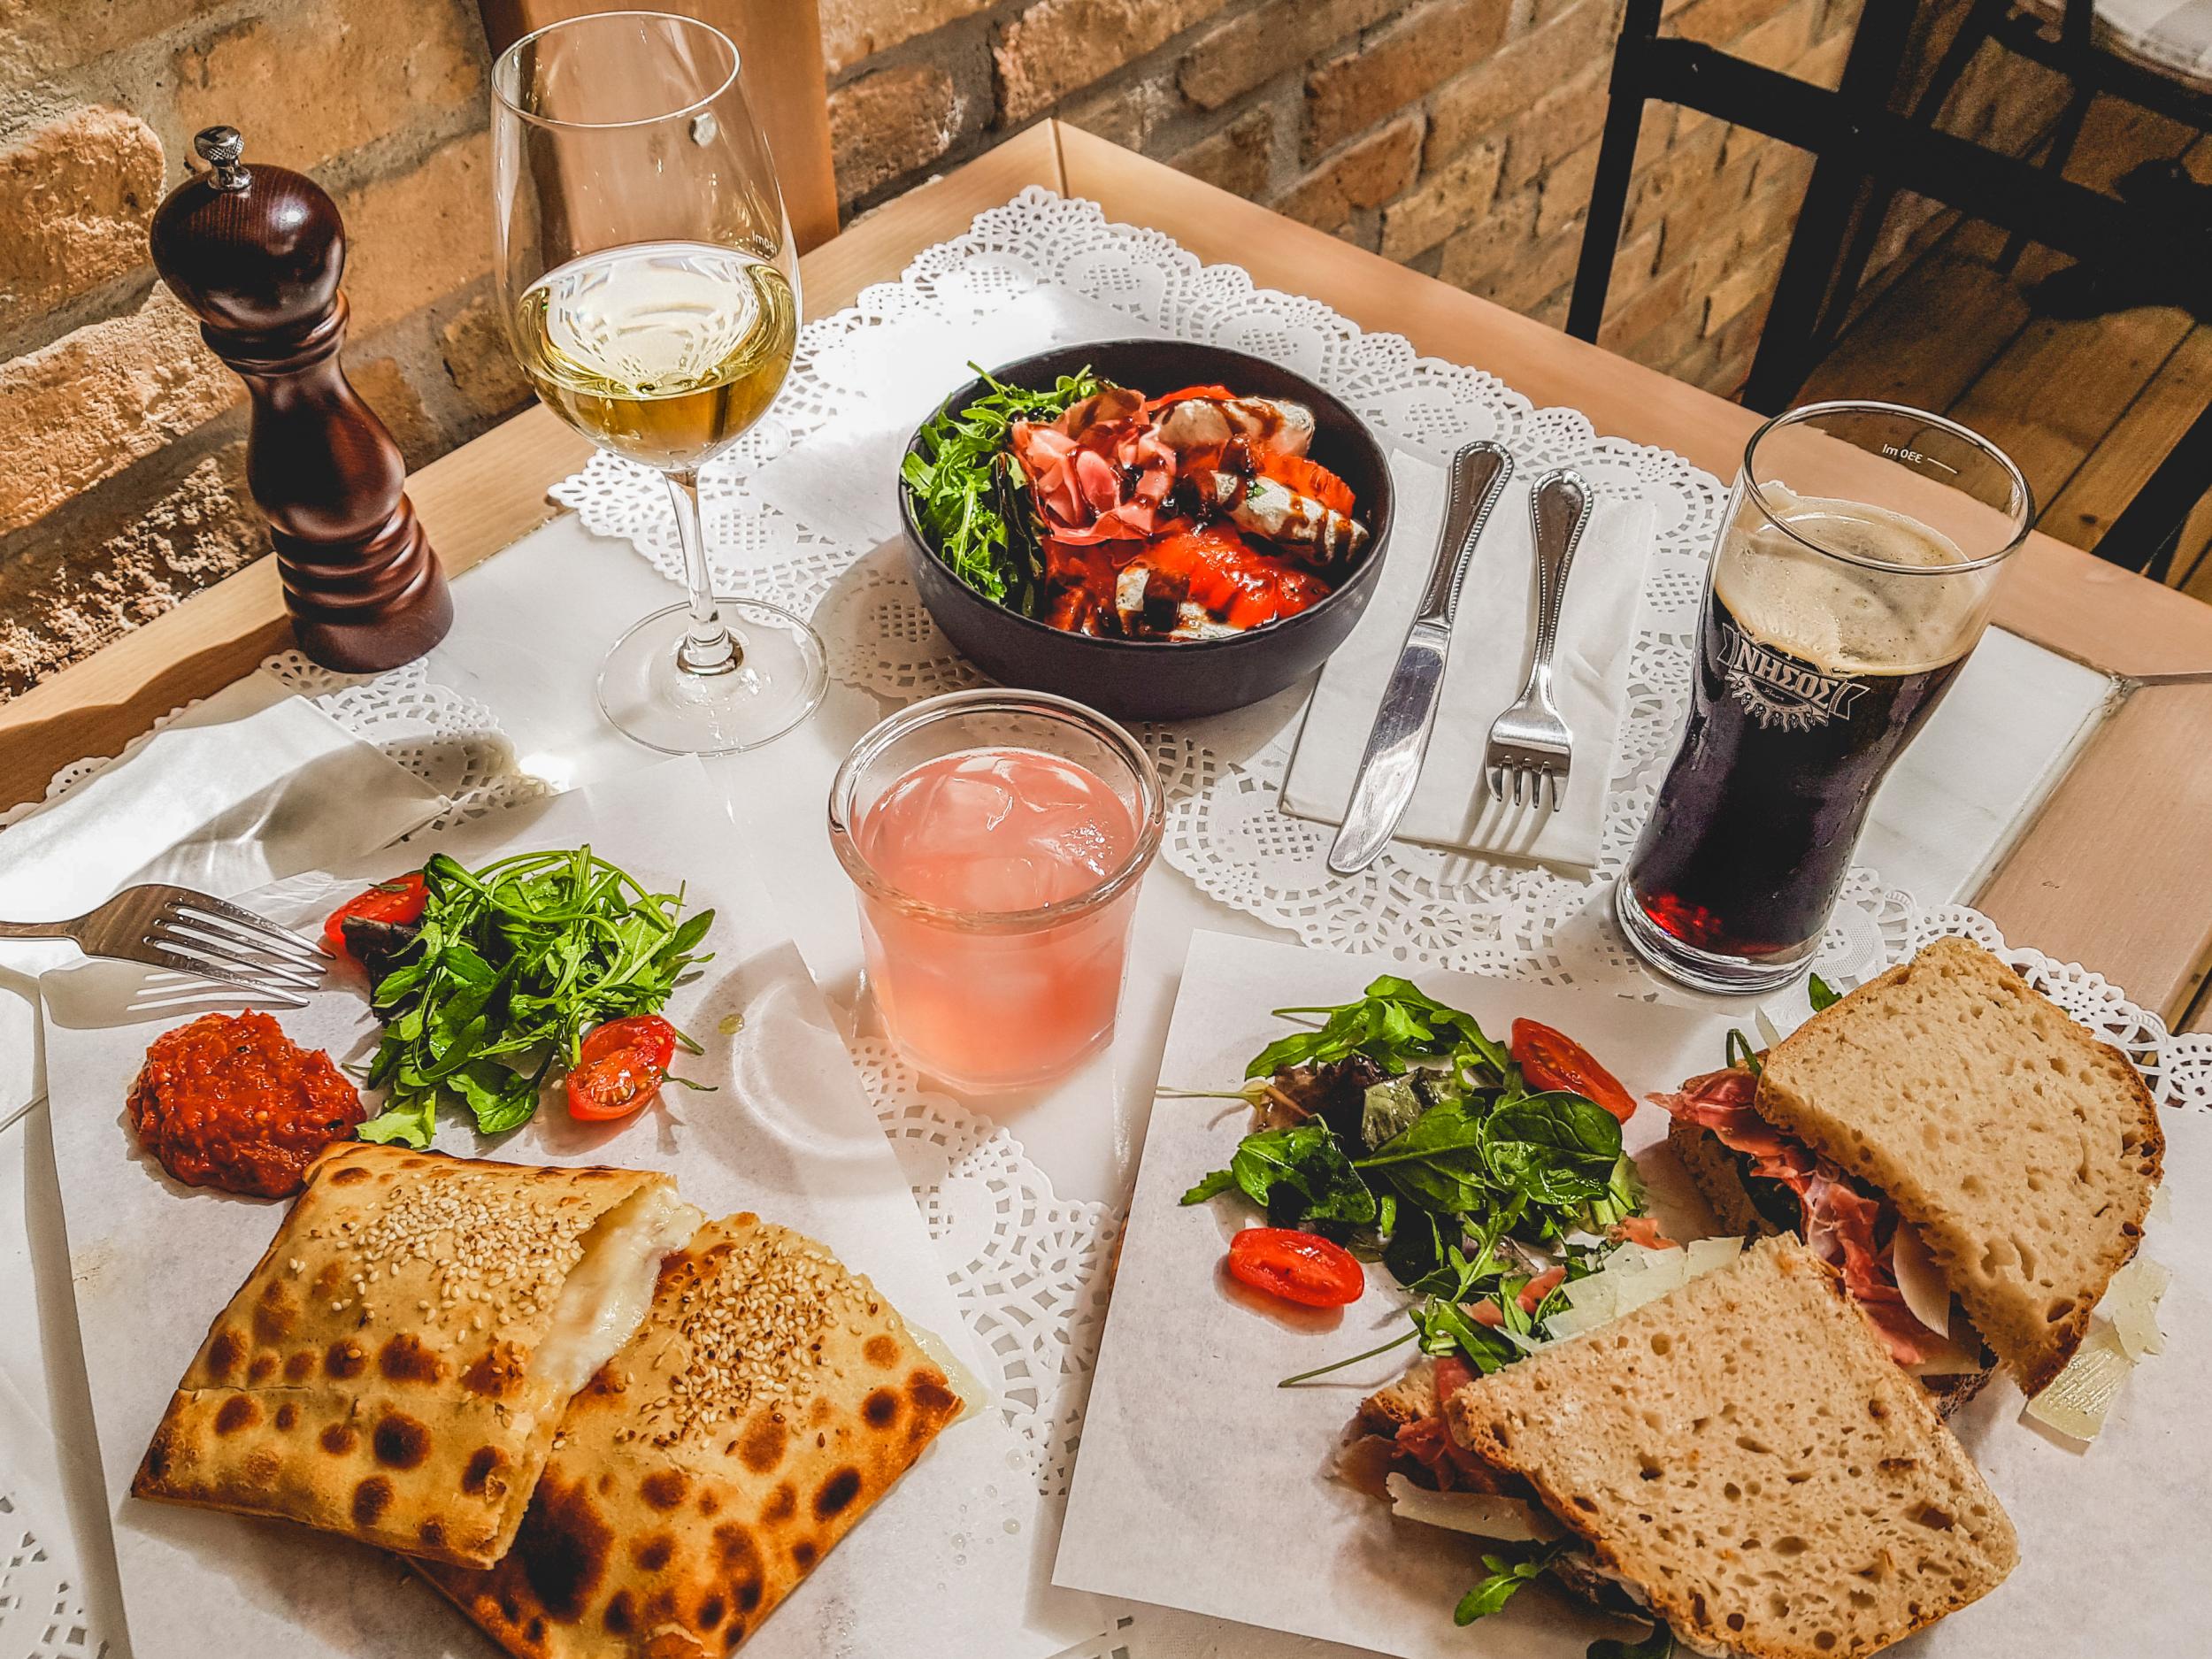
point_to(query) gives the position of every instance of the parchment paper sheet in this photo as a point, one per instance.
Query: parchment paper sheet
(1201, 1485)
(952, 1561)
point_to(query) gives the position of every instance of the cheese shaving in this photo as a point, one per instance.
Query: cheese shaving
(2131, 1302)
(1633, 1275)
(1483, 1514)
(2078, 1397)
(1920, 1282)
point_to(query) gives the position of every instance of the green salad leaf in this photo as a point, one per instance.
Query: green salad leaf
(509, 968)
(1506, 1576)
(969, 495)
(1398, 1127)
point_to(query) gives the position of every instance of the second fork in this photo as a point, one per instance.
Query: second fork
(1529, 743)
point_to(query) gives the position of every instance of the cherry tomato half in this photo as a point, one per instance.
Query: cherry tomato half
(649, 1034)
(394, 903)
(1551, 1059)
(1300, 1267)
(613, 1085)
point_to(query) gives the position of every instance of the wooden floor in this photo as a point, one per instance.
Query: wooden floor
(2087, 407)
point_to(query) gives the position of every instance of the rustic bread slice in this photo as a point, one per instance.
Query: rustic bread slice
(2024, 1150)
(770, 1398)
(1745, 1452)
(395, 1366)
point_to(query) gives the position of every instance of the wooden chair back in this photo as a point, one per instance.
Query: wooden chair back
(779, 44)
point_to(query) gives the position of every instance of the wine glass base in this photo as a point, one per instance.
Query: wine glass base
(652, 700)
(1703, 970)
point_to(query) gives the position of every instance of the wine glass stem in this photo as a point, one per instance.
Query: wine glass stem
(709, 646)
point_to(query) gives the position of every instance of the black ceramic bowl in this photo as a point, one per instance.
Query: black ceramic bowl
(1165, 679)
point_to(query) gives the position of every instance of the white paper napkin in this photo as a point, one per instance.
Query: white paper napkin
(1451, 805)
(841, 479)
(252, 784)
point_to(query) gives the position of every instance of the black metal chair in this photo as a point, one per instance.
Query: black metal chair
(2142, 51)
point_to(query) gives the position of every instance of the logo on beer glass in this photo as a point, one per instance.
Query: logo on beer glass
(1779, 692)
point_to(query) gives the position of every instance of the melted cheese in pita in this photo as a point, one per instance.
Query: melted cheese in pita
(605, 1296)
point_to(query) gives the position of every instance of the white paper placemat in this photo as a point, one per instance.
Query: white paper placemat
(1204, 1487)
(953, 1561)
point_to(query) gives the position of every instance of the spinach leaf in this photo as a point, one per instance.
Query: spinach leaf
(1211, 1187)
(1822, 994)
(408, 1123)
(1558, 1148)
(1509, 1575)
(1437, 1160)
(1414, 1249)
(1300, 1176)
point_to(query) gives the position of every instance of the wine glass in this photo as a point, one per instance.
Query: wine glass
(651, 293)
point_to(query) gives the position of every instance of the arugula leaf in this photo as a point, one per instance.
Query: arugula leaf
(1740, 1052)
(511, 966)
(1558, 1148)
(1447, 1327)
(1509, 1575)
(1822, 994)
(968, 490)
(1211, 1187)
(1657, 1643)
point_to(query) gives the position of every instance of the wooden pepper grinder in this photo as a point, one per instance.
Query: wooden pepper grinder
(257, 254)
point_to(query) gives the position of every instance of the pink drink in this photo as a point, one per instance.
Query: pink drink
(981, 983)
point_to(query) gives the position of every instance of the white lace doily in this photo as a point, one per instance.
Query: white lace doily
(1030, 1267)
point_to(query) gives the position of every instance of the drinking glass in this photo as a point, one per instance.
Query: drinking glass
(1852, 577)
(996, 840)
(651, 293)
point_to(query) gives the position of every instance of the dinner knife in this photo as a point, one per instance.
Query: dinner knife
(1392, 764)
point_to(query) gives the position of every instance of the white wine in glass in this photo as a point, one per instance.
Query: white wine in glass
(653, 302)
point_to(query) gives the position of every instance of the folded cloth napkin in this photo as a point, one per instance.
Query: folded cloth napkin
(250, 786)
(1451, 805)
(841, 478)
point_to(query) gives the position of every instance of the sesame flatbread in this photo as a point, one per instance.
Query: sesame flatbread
(770, 1398)
(395, 1368)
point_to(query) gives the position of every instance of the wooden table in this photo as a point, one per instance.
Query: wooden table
(2111, 872)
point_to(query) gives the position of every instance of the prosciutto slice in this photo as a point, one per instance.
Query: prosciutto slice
(1854, 1231)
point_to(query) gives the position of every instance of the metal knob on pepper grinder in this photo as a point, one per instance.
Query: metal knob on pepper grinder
(257, 253)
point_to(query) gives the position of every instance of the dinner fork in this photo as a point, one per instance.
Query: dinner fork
(1529, 742)
(190, 932)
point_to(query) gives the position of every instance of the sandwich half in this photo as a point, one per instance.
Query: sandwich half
(1942, 1133)
(768, 1401)
(1741, 1459)
(394, 1367)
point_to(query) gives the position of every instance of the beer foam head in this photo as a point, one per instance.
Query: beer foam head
(1842, 618)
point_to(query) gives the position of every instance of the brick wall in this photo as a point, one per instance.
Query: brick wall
(122, 487)
(1458, 136)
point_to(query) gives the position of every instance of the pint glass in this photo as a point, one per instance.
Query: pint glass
(1852, 575)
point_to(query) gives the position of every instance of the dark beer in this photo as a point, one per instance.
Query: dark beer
(1812, 675)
